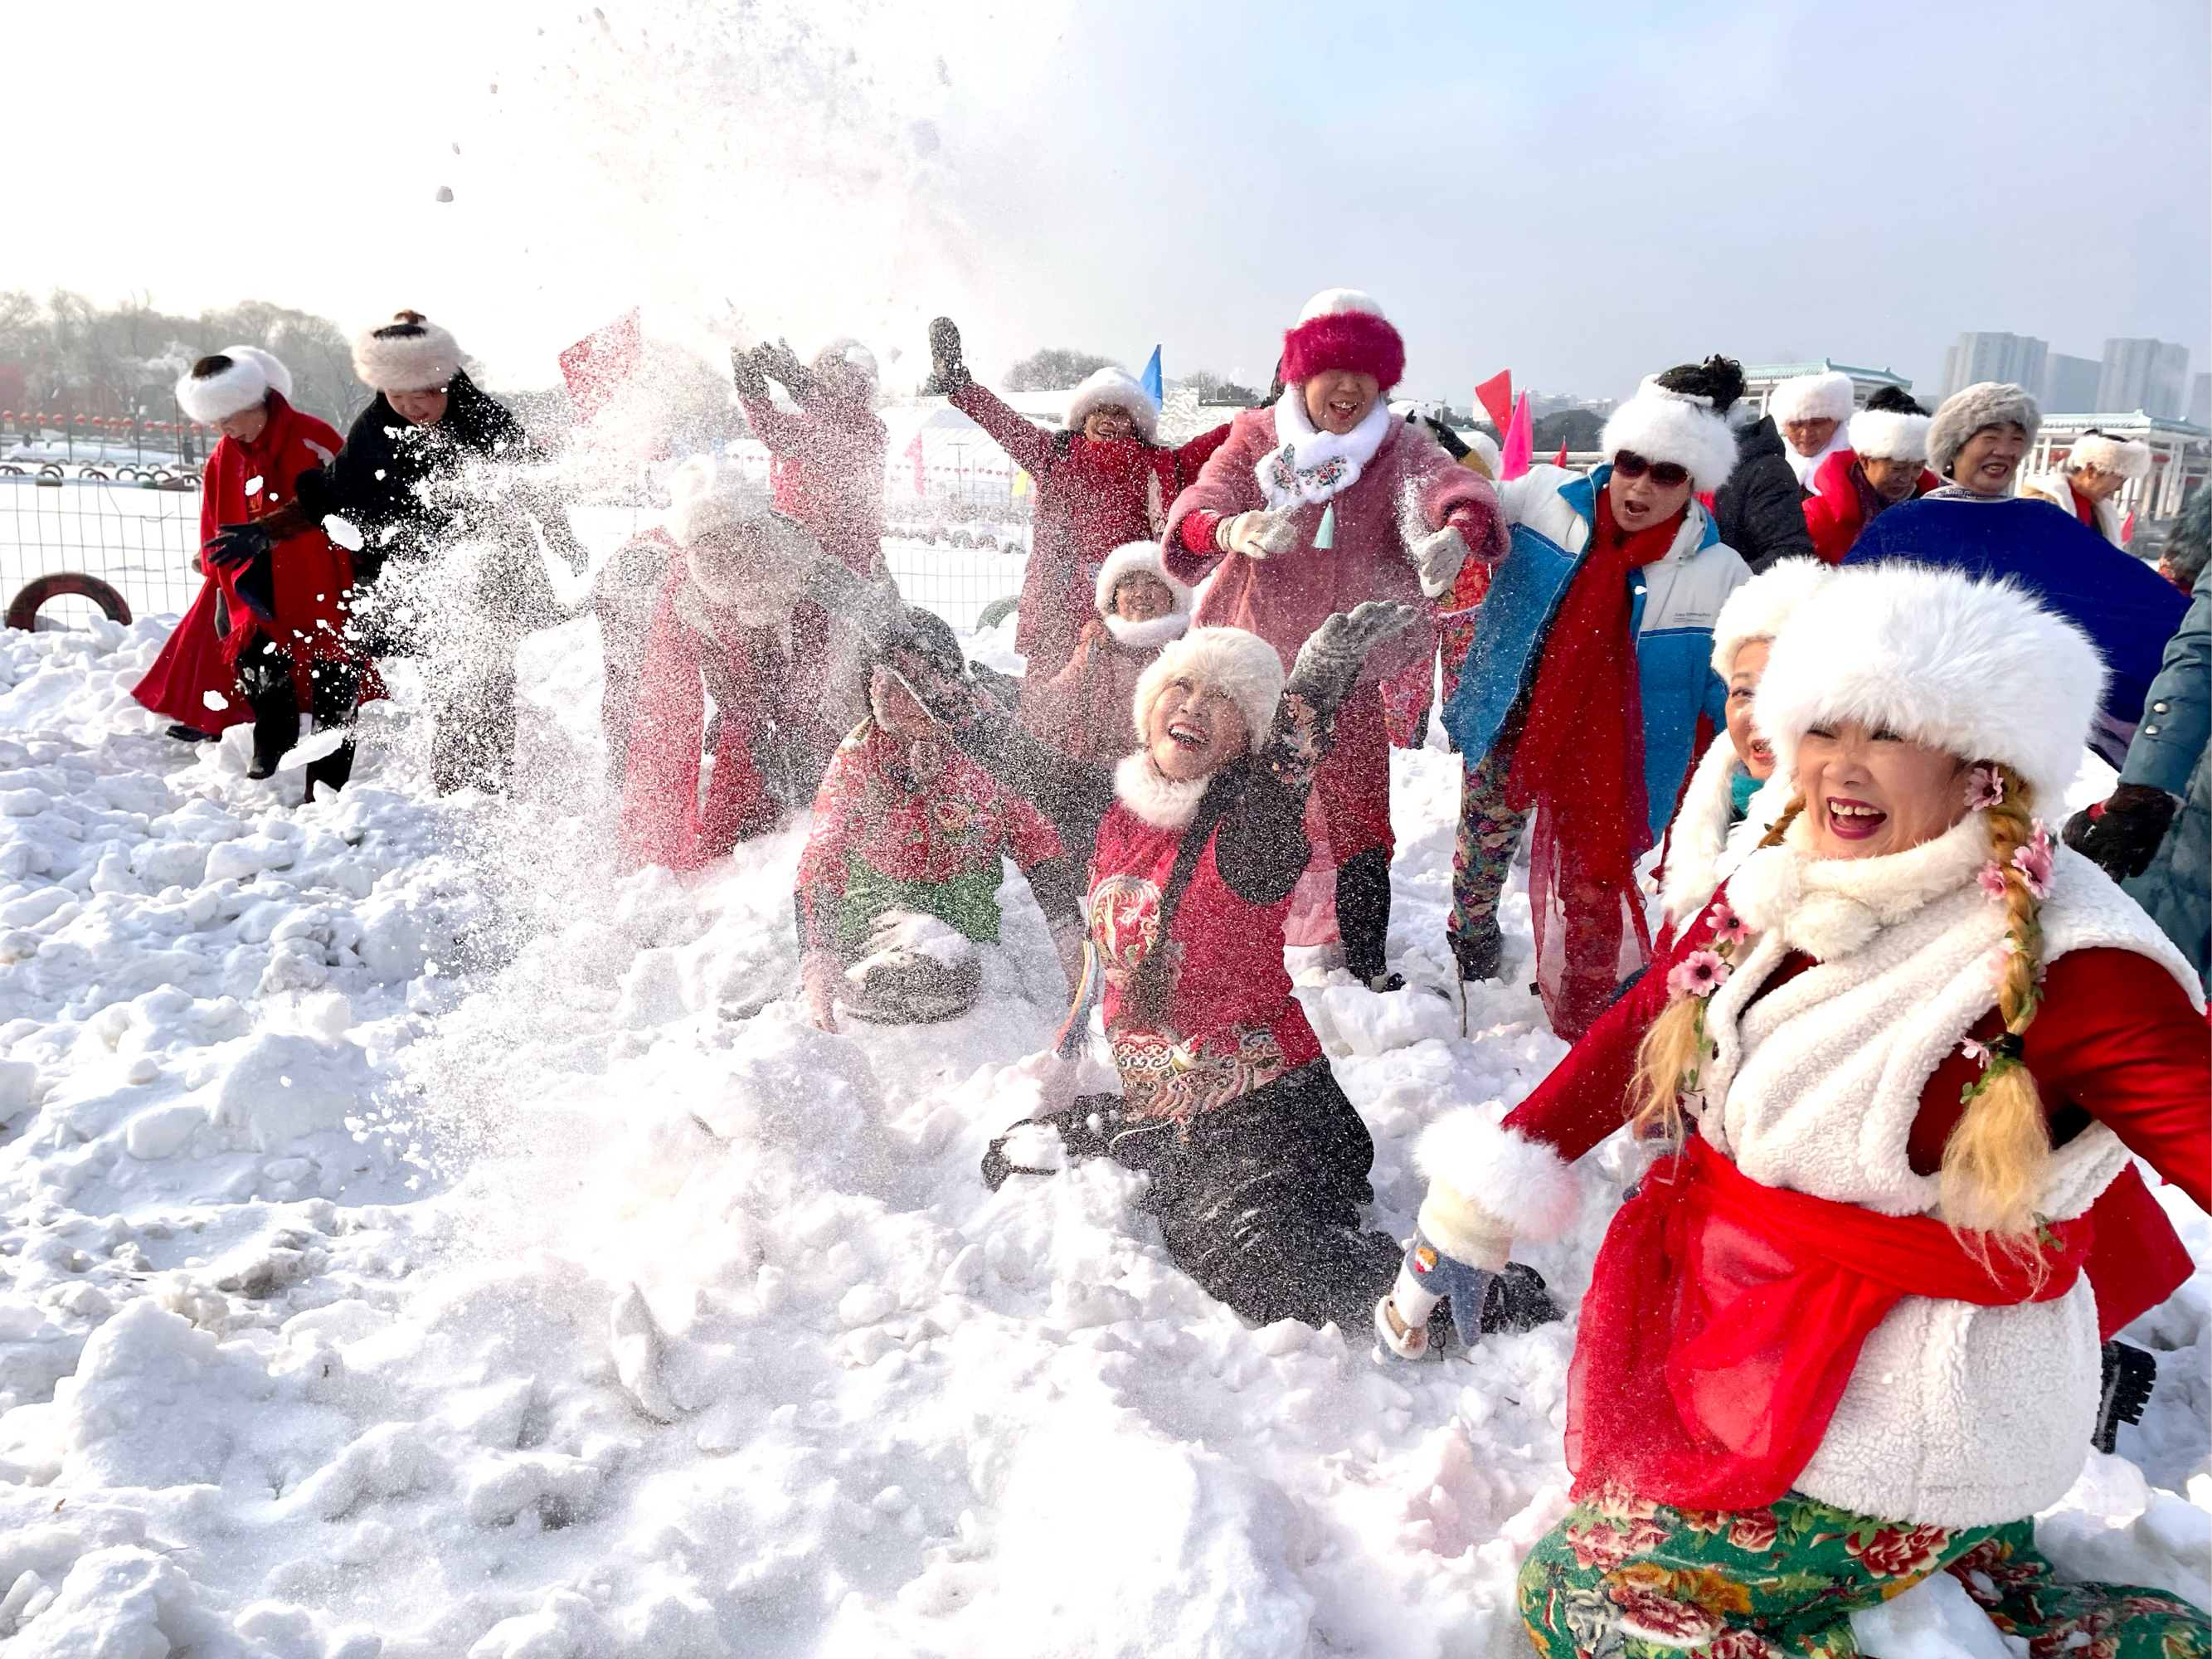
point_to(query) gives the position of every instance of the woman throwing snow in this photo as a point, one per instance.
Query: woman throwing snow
(1840, 1339)
(1315, 503)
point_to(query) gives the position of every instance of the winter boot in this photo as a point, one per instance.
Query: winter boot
(184, 734)
(1518, 1300)
(1481, 951)
(2128, 1374)
(275, 718)
(1362, 917)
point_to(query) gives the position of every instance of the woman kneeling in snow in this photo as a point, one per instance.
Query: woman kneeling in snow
(1840, 1339)
(899, 882)
(1083, 710)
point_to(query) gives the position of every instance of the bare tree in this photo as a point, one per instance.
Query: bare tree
(1055, 369)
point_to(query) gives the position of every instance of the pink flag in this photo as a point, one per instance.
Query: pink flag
(599, 367)
(913, 453)
(1519, 442)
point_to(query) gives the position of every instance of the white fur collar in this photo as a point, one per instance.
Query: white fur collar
(1161, 802)
(1310, 465)
(1829, 908)
(1149, 636)
(1703, 846)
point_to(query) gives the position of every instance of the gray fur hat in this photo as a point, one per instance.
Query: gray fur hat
(1984, 404)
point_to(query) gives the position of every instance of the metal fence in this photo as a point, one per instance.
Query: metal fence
(137, 530)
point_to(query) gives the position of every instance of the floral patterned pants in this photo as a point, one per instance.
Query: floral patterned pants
(1622, 1577)
(1482, 855)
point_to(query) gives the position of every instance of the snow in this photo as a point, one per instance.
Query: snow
(421, 1239)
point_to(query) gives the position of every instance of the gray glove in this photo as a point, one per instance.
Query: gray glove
(948, 374)
(1328, 662)
(1438, 559)
(745, 370)
(781, 363)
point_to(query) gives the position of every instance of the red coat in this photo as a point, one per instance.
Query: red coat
(1092, 497)
(1232, 1024)
(827, 471)
(1833, 512)
(1284, 599)
(2116, 1040)
(312, 575)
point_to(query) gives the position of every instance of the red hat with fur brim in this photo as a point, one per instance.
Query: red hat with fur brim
(1358, 342)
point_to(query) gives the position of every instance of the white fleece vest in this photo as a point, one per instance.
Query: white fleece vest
(1955, 1415)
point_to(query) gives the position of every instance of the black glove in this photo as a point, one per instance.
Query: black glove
(745, 369)
(1447, 439)
(1323, 677)
(236, 544)
(2124, 833)
(948, 374)
(782, 363)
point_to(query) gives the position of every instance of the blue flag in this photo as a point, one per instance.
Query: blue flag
(1151, 379)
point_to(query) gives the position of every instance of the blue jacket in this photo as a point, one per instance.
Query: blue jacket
(1674, 603)
(2126, 608)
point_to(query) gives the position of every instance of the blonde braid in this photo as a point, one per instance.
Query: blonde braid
(1994, 1163)
(1674, 1049)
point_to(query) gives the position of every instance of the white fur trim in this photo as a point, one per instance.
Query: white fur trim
(406, 362)
(1151, 635)
(1756, 609)
(1242, 667)
(1703, 848)
(1335, 302)
(1114, 388)
(1827, 397)
(1975, 668)
(1161, 802)
(1524, 1183)
(2107, 452)
(1890, 435)
(1133, 556)
(251, 376)
(1664, 426)
(1984, 404)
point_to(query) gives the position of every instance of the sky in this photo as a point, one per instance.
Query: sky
(1583, 195)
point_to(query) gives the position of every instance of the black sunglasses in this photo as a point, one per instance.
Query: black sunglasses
(1666, 474)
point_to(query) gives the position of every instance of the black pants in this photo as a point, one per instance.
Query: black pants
(1363, 911)
(1260, 1201)
(266, 679)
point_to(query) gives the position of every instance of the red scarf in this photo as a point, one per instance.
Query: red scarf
(1724, 1318)
(1579, 762)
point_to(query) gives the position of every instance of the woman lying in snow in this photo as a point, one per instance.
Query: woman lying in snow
(1083, 710)
(1842, 1339)
(1258, 1161)
(898, 884)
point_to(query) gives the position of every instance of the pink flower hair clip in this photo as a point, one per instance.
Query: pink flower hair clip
(1986, 787)
(1699, 974)
(1992, 879)
(1729, 928)
(2032, 859)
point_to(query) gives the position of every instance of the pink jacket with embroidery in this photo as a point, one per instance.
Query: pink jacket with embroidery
(1283, 599)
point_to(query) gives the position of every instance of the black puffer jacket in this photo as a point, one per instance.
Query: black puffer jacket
(391, 482)
(1760, 510)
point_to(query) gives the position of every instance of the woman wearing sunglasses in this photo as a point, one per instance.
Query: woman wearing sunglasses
(1587, 686)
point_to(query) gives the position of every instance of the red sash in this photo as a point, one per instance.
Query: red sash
(1724, 1318)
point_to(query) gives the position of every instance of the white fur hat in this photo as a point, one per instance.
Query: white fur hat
(247, 375)
(1827, 397)
(1673, 426)
(696, 512)
(409, 353)
(1114, 388)
(1756, 609)
(1241, 667)
(852, 354)
(1890, 435)
(1983, 404)
(1977, 668)
(2108, 452)
(1132, 557)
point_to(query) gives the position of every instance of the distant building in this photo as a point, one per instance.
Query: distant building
(2069, 383)
(2014, 359)
(2200, 401)
(2149, 376)
(2181, 458)
(1759, 380)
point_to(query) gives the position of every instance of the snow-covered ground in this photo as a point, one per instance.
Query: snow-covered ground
(419, 1240)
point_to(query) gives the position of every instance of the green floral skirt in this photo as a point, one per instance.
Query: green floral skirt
(1622, 1577)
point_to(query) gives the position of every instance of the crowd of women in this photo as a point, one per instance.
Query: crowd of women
(1783, 710)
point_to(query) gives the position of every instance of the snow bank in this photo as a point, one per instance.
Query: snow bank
(420, 1240)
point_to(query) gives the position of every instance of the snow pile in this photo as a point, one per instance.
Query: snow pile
(420, 1240)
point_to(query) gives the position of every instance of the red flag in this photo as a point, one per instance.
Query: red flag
(913, 453)
(599, 366)
(1496, 395)
(1561, 460)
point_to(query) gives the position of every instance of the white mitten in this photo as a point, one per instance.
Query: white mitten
(1438, 558)
(1256, 535)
